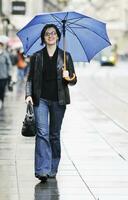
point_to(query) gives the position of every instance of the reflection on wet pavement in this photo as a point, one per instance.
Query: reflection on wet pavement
(47, 191)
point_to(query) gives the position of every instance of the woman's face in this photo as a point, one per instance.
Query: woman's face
(50, 36)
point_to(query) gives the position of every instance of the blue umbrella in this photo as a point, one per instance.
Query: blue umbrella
(82, 36)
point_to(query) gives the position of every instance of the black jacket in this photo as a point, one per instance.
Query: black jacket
(34, 80)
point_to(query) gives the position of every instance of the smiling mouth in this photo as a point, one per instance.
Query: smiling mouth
(51, 39)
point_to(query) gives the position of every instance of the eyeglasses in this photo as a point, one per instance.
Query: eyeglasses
(47, 34)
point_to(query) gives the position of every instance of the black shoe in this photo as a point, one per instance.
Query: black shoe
(42, 178)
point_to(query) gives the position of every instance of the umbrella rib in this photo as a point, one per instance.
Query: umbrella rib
(78, 19)
(66, 16)
(78, 40)
(81, 26)
(56, 18)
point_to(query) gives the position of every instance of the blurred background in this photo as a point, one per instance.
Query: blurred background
(15, 14)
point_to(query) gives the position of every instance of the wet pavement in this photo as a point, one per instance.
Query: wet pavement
(94, 135)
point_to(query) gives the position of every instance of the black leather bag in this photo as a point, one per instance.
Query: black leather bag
(28, 128)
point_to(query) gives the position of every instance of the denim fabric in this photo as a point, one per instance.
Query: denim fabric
(48, 116)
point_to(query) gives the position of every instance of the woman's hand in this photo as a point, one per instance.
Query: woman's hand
(65, 73)
(29, 98)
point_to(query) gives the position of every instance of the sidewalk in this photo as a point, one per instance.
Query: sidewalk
(17, 166)
(91, 167)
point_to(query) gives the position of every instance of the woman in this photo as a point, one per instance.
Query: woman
(47, 89)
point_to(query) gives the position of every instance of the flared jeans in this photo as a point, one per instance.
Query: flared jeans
(49, 116)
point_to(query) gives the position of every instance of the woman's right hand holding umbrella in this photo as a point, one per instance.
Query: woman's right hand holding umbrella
(65, 73)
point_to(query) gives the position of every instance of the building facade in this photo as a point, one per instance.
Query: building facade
(14, 14)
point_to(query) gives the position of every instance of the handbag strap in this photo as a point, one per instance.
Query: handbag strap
(30, 108)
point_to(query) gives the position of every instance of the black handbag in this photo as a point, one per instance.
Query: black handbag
(29, 128)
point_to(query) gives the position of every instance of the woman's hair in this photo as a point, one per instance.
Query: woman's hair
(44, 30)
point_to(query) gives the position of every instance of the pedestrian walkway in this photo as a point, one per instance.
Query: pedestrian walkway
(17, 166)
(92, 165)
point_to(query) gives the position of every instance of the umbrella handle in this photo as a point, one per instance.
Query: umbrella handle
(70, 79)
(67, 78)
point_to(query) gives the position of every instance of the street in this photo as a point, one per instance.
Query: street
(94, 164)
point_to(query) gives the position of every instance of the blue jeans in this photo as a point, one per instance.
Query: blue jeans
(48, 116)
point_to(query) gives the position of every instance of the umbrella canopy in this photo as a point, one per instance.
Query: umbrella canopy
(82, 35)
